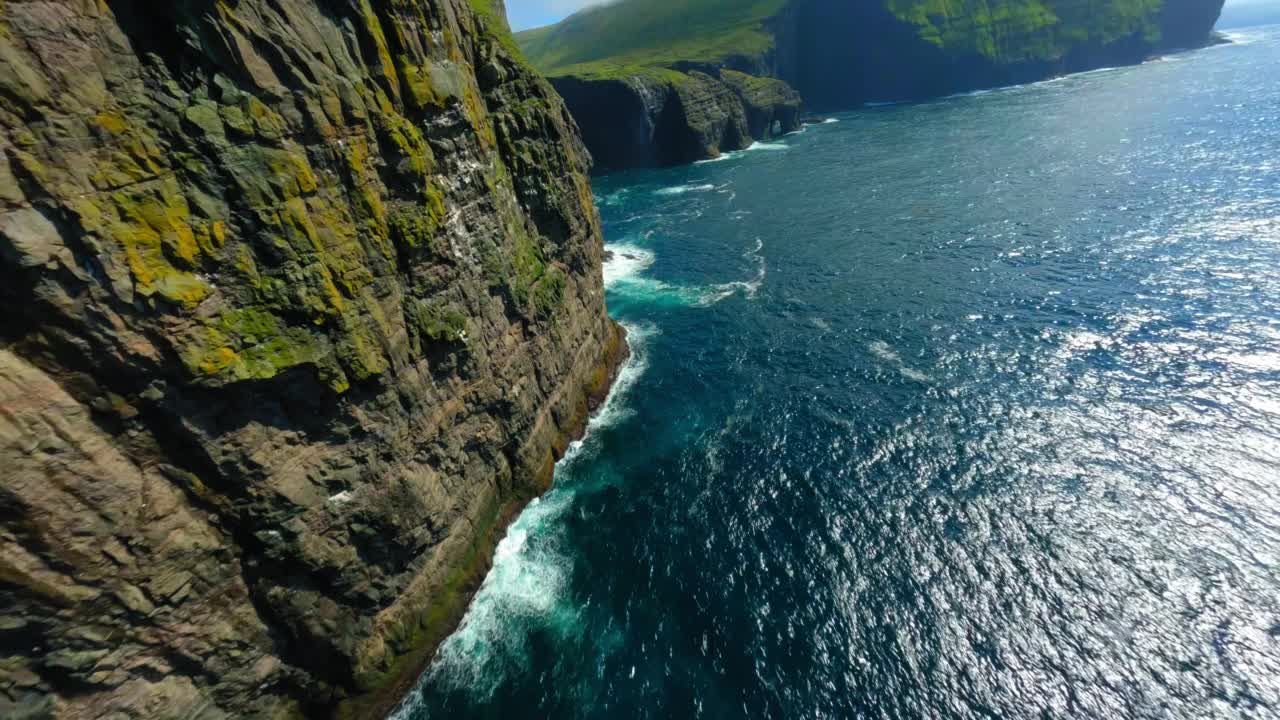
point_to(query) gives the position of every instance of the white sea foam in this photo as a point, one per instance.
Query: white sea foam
(733, 154)
(912, 374)
(719, 158)
(828, 121)
(766, 146)
(615, 407)
(882, 350)
(624, 277)
(526, 586)
(749, 288)
(885, 352)
(1238, 37)
(624, 262)
(1098, 71)
(971, 93)
(613, 198)
(682, 189)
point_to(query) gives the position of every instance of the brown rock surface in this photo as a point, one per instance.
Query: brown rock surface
(303, 299)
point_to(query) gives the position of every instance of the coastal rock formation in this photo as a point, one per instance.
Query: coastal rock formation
(304, 300)
(669, 118)
(618, 65)
(892, 50)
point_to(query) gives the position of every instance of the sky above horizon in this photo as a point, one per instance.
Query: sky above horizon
(525, 14)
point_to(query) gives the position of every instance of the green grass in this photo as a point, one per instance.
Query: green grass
(633, 35)
(1011, 30)
(496, 26)
(649, 37)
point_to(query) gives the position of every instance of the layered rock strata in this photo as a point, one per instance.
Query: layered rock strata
(663, 83)
(669, 118)
(304, 300)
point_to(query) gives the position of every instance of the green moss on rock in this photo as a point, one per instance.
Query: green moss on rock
(436, 321)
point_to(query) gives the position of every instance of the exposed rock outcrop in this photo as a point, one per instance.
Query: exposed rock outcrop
(610, 60)
(893, 51)
(304, 301)
(671, 118)
(771, 106)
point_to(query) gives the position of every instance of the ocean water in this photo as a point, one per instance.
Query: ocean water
(960, 409)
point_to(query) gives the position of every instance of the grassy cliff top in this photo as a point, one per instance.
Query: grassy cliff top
(1013, 30)
(630, 37)
(633, 36)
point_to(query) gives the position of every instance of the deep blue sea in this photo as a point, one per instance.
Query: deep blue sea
(958, 409)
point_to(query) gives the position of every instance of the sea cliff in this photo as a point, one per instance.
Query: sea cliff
(657, 82)
(304, 301)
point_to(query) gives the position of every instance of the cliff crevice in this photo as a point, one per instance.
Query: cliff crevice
(305, 302)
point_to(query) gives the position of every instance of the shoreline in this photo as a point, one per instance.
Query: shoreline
(478, 559)
(814, 115)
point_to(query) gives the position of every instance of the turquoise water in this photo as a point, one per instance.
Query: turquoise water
(961, 409)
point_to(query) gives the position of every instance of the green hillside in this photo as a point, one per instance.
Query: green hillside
(629, 35)
(1012, 30)
(653, 82)
(633, 34)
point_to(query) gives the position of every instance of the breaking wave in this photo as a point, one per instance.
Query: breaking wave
(623, 262)
(682, 189)
(527, 585)
(625, 265)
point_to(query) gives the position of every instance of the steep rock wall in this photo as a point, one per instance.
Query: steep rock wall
(304, 300)
(836, 54)
(674, 117)
(912, 49)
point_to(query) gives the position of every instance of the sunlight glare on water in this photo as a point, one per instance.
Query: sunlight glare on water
(960, 409)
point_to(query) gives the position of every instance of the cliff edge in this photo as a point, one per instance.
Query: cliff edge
(661, 82)
(304, 300)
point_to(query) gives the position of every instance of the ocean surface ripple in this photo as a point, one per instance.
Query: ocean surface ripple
(960, 409)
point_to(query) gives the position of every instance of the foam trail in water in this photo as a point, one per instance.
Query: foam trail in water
(748, 287)
(613, 198)
(526, 586)
(883, 351)
(682, 189)
(624, 268)
(828, 121)
(766, 146)
(1243, 37)
(971, 93)
(1097, 71)
(615, 407)
(733, 154)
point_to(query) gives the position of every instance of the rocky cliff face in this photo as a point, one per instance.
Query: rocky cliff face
(834, 53)
(670, 118)
(913, 49)
(303, 302)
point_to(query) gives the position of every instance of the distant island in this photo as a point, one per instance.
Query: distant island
(662, 82)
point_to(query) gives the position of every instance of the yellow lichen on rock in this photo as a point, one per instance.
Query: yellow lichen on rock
(153, 229)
